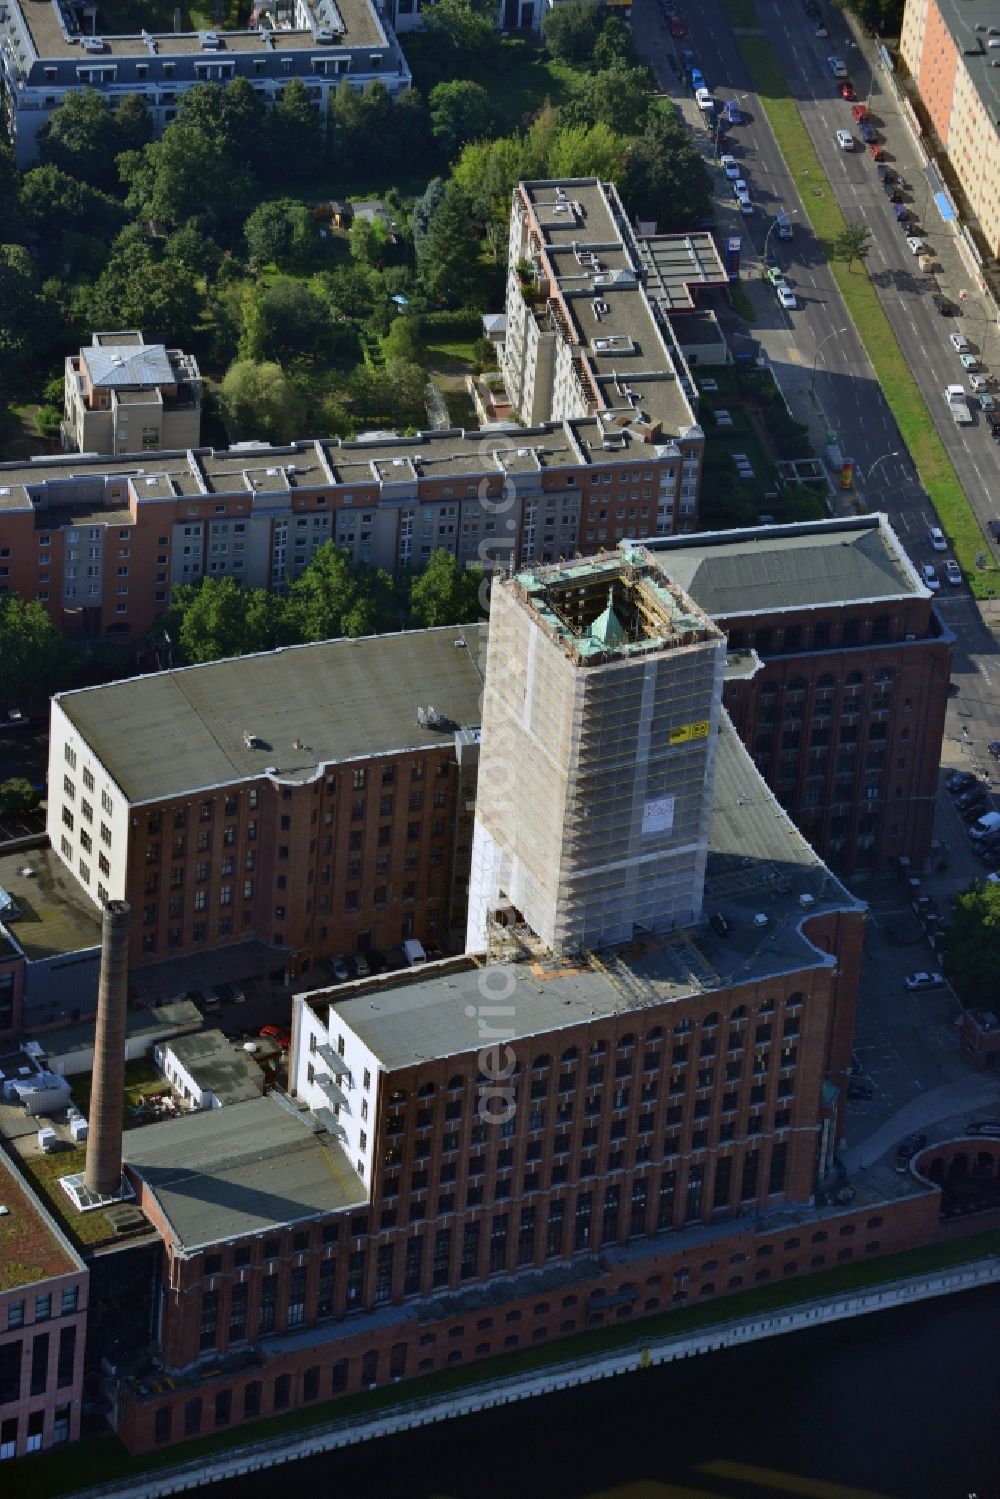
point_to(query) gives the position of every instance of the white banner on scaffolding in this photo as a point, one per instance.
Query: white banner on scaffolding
(658, 816)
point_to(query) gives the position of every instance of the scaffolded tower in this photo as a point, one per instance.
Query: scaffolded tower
(603, 691)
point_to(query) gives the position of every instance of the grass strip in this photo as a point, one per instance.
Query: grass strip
(105, 1460)
(937, 474)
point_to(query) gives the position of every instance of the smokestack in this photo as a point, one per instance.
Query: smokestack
(103, 1173)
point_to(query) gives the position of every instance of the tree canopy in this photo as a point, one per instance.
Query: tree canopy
(260, 401)
(36, 658)
(972, 943)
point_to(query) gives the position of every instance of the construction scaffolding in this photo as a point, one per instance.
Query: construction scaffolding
(602, 701)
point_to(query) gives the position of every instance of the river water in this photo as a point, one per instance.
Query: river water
(899, 1405)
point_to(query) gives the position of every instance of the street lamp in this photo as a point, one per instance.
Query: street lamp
(819, 350)
(739, 98)
(871, 469)
(771, 229)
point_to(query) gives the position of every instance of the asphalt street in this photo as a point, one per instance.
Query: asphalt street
(814, 351)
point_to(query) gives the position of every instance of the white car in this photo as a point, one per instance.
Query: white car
(953, 573)
(704, 100)
(922, 980)
(730, 166)
(936, 537)
(740, 189)
(929, 574)
(968, 361)
(978, 383)
(845, 140)
(786, 296)
(745, 204)
(958, 342)
(837, 67)
(915, 244)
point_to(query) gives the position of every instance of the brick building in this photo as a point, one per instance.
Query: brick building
(842, 700)
(43, 1309)
(102, 542)
(519, 1137)
(305, 799)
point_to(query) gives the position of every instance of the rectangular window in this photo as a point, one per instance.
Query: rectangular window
(40, 1363)
(67, 1357)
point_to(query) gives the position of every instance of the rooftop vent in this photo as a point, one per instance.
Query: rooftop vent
(252, 741)
(430, 718)
(806, 901)
(94, 44)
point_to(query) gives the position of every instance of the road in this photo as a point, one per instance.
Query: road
(816, 355)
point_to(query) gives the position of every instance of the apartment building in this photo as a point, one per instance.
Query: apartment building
(43, 1306)
(306, 799)
(950, 48)
(103, 542)
(584, 338)
(123, 395)
(49, 47)
(842, 702)
(507, 1147)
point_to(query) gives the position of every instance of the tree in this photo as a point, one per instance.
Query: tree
(489, 171)
(330, 598)
(54, 204)
(260, 401)
(618, 97)
(424, 210)
(18, 795)
(30, 320)
(404, 340)
(189, 247)
(216, 618)
(458, 40)
(36, 658)
(447, 260)
(295, 133)
(851, 244)
(136, 289)
(134, 123)
(369, 240)
(188, 172)
(284, 319)
(613, 47)
(445, 593)
(268, 233)
(589, 151)
(665, 178)
(344, 128)
(82, 139)
(571, 30)
(460, 112)
(972, 943)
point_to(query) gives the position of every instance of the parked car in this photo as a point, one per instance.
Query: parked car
(993, 422)
(922, 980)
(960, 780)
(907, 1149)
(930, 578)
(975, 809)
(730, 166)
(987, 402)
(876, 151)
(971, 795)
(339, 968)
(277, 1035)
(959, 342)
(884, 172)
(867, 133)
(915, 244)
(697, 80)
(936, 538)
(845, 89)
(953, 573)
(720, 924)
(859, 112)
(786, 296)
(941, 305)
(993, 526)
(15, 718)
(239, 994)
(845, 140)
(987, 824)
(893, 194)
(775, 274)
(361, 967)
(968, 361)
(989, 1127)
(732, 112)
(994, 748)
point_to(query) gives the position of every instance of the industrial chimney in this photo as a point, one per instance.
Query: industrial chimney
(103, 1173)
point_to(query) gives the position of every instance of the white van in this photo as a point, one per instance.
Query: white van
(413, 952)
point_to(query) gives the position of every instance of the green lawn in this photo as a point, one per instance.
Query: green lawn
(894, 375)
(44, 1172)
(104, 1459)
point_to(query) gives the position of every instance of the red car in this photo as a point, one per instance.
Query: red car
(860, 112)
(276, 1034)
(847, 89)
(676, 27)
(876, 152)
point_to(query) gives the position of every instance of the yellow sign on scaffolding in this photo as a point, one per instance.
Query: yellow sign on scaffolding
(687, 731)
